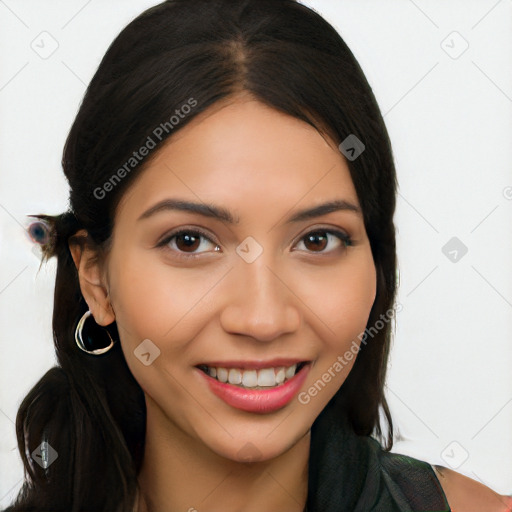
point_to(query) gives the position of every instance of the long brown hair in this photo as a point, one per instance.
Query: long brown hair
(91, 409)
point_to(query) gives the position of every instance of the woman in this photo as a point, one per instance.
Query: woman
(222, 271)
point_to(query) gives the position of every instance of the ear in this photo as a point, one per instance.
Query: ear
(90, 274)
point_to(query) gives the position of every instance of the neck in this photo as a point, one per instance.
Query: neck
(181, 473)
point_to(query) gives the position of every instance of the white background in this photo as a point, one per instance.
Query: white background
(449, 118)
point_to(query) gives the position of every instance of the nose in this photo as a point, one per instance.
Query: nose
(261, 303)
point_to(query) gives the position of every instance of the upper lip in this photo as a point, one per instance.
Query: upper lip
(256, 364)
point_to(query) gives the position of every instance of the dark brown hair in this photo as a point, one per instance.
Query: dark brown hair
(91, 409)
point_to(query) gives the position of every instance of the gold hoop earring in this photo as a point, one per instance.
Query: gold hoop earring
(79, 336)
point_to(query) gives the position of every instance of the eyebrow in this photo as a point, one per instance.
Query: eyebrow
(222, 214)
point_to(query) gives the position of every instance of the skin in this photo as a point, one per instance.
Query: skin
(468, 495)
(297, 299)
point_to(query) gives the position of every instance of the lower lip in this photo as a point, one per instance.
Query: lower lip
(258, 400)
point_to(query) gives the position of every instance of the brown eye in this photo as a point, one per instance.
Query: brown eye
(187, 242)
(317, 241)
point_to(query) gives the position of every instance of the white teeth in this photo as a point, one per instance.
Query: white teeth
(235, 376)
(222, 374)
(250, 378)
(280, 375)
(264, 378)
(290, 372)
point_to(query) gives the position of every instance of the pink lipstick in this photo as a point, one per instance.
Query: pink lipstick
(262, 400)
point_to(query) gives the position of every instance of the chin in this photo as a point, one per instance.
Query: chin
(259, 447)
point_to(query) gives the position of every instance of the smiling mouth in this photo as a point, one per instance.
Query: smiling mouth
(263, 378)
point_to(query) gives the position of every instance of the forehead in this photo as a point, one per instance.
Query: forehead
(245, 155)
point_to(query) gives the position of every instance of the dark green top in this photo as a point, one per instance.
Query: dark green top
(352, 473)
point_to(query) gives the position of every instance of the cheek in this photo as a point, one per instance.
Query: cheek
(164, 304)
(150, 307)
(136, 298)
(148, 298)
(346, 306)
(348, 297)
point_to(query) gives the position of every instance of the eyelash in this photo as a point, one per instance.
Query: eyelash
(343, 237)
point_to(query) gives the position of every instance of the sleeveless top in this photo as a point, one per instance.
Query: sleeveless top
(352, 473)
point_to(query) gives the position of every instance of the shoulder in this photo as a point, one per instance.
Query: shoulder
(467, 495)
(414, 481)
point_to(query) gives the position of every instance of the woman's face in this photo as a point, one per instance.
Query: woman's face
(245, 298)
